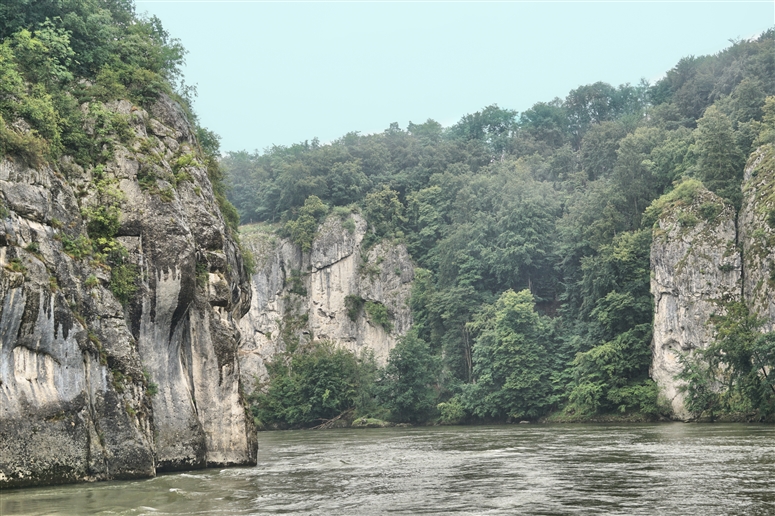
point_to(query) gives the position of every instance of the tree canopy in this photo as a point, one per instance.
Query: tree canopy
(530, 230)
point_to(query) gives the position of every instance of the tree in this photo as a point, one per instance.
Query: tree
(511, 360)
(735, 373)
(302, 230)
(408, 384)
(492, 125)
(384, 211)
(547, 122)
(719, 161)
(316, 383)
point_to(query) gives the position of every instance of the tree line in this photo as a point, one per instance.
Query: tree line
(531, 235)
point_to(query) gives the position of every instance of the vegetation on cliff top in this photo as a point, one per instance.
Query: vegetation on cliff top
(61, 62)
(531, 230)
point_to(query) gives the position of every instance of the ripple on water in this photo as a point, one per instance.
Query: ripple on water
(531, 469)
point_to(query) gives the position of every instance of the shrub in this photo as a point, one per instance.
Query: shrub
(123, 278)
(354, 304)
(317, 383)
(451, 412)
(378, 315)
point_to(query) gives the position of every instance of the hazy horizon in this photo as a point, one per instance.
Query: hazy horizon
(279, 73)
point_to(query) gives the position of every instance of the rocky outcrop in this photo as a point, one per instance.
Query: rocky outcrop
(756, 223)
(695, 265)
(118, 357)
(326, 294)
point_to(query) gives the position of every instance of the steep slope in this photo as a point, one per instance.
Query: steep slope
(695, 265)
(757, 235)
(325, 294)
(121, 290)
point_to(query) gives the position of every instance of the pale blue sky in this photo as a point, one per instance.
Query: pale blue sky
(279, 73)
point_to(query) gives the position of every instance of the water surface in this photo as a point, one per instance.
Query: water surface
(514, 469)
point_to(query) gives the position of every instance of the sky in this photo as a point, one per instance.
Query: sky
(279, 73)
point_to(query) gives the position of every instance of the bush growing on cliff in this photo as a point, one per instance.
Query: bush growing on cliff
(734, 374)
(303, 229)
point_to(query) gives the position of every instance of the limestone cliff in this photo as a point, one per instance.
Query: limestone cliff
(695, 264)
(325, 294)
(124, 370)
(756, 223)
(701, 255)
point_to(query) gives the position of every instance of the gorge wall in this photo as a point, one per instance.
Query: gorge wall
(125, 370)
(335, 292)
(703, 255)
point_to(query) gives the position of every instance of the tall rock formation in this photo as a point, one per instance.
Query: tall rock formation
(714, 259)
(93, 388)
(331, 293)
(695, 265)
(756, 223)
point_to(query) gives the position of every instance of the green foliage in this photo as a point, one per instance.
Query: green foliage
(152, 389)
(771, 218)
(34, 248)
(102, 219)
(683, 194)
(734, 374)
(719, 160)
(407, 385)
(612, 377)
(710, 210)
(378, 315)
(79, 247)
(558, 203)
(354, 305)
(385, 212)
(315, 384)
(202, 274)
(16, 265)
(297, 284)
(510, 367)
(302, 231)
(451, 412)
(248, 260)
(687, 220)
(123, 281)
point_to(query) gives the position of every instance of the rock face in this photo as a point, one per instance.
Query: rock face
(122, 371)
(695, 264)
(304, 296)
(757, 234)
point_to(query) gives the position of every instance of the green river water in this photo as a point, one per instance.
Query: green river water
(671, 469)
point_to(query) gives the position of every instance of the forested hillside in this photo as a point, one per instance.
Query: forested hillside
(531, 232)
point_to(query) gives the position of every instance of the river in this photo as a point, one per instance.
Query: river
(673, 468)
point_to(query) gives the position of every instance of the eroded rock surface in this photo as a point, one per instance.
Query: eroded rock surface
(96, 389)
(304, 296)
(695, 265)
(756, 223)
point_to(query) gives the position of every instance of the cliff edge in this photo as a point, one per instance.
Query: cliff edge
(120, 293)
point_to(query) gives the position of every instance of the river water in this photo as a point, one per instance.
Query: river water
(512, 469)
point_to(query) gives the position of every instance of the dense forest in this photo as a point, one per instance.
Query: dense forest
(531, 233)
